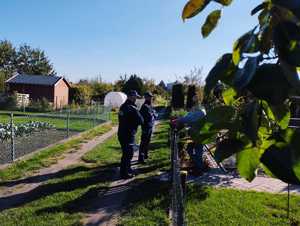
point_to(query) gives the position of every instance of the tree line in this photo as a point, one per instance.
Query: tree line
(22, 59)
(85, 91)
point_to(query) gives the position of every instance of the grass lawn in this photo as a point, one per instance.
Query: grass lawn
(148, 200)
(212, 207)
(49, 155)
(209, 206)
(68, 193)
(63, 198)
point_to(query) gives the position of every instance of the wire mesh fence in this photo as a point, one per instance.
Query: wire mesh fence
(177, 194)
(23, 133)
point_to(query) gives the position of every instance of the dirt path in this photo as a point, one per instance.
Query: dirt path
(107, 207)
(14, 192)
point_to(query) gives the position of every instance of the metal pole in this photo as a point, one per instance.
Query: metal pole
(68, 123)
(94, 117)
(288, 204)
(12, 138)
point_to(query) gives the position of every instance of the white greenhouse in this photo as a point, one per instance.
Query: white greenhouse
(114, 99)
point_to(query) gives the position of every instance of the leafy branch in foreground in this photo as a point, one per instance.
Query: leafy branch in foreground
(257, 78)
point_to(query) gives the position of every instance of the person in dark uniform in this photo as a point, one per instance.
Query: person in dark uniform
(129, 120)
(149, 116)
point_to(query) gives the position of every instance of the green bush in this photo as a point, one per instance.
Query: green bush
(177, 96)
(41, 105)
(134, 83)
(9, 102)
(191, 93)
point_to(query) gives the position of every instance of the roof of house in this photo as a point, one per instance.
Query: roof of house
(45, 80)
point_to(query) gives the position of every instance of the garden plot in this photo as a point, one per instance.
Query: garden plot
(27, 137)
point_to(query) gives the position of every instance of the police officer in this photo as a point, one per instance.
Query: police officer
(129, 120)
(149, 116)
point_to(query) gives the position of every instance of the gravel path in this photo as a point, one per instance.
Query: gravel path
(232, 180)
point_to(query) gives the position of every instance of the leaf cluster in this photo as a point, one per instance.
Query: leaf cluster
(253, 85)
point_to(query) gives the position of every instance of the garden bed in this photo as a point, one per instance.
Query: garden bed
(30, 143)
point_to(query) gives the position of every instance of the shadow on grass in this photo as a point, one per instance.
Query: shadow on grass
(153, 167)
(146, 189)
(44, 177)
(98, 175)
(196, 192)
(157, 145)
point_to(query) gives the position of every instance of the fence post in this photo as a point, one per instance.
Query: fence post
(12, 137)
(94, 117)
(68, 123)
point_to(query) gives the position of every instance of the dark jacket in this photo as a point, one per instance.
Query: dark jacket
(129, 120)
(148, 114)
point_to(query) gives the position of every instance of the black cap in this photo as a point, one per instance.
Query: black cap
(148, 94)
(133, 93)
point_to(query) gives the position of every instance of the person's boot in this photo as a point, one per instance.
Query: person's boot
(132, 172)
(141, 161)
(127, 176)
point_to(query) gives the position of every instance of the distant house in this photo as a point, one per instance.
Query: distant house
(55, 89)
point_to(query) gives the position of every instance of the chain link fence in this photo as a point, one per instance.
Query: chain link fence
(177, 190)
(23, 133)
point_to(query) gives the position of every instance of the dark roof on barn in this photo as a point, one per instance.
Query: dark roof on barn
(45, 80)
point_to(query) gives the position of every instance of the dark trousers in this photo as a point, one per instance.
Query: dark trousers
(145, 141)
(127, 154)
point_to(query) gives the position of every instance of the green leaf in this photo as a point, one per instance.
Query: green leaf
(268, 110)
(282, 115)
(266, 35)
(269, 83)
(193, 7)
(220, 114)
(279, 113)
(224, 2)
(287, 42)
(229, 96)
(206, 130)
(287, 134)
(211, 22)
(246, 44)
(291, 74)
(278, 159)
(259, 7)
(250, 119)
(295, 143)
(227, 148)
(223, 70)
(244, 75)
(204, 137)
(292, 5)
(248, 162)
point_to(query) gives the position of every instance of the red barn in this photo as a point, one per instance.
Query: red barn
(55, 89)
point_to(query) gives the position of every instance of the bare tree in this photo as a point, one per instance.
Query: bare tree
(195, 77)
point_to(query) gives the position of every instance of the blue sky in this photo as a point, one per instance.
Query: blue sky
(85, 38)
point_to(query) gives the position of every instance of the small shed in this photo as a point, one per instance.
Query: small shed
(54, 88)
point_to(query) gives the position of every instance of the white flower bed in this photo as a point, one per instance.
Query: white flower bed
(22, 129)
